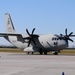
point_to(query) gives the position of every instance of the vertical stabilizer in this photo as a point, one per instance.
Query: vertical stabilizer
(9, 28)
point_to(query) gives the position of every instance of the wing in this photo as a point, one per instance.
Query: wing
(9, 34)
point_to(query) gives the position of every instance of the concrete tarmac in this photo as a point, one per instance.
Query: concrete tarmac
(22, 64)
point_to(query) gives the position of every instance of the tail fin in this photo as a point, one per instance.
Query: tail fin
(9, 28)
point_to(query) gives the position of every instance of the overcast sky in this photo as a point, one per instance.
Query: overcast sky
(47, 16)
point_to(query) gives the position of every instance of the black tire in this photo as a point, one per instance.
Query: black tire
(32, 52)
(41, 53)
(27, 52)
(45, 53)
(56, 53)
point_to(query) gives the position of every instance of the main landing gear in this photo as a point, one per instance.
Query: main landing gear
(55, 53)
(45, 53)
(30, 52)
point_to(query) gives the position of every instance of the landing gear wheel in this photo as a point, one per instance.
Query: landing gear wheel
(45, 53)
(59, 51)
(41, 53)
(55, 53)
(27, 52)
(32, 52)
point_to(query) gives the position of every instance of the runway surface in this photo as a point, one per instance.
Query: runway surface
(22, 64)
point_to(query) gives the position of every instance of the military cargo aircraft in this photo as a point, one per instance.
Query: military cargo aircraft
(31, 42)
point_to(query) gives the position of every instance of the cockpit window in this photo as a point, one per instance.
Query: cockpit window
(57, 38)
(54, 38)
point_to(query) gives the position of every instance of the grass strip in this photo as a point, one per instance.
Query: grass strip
(15, 50)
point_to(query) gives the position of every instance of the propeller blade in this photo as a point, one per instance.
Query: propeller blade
(66, 31)
(28, 32)
(33, 41)
(67, 42)
(29, 43)
(70, 33)
(61, 34)
(33, 31)
(70, 40)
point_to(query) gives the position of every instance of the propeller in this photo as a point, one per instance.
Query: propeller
(31, 37)
(67, 36)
